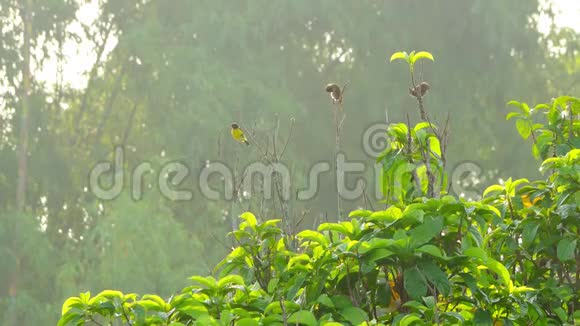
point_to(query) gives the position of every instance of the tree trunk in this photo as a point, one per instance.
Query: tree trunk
(24, 121)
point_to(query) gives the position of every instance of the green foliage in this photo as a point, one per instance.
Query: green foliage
(508, 259)
(411, 58)
(178, 71)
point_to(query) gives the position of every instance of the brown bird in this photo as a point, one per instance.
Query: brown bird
(335, 93)
(422, 89)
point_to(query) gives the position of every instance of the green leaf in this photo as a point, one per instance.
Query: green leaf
(409, 319)
(207, 282)
(399, 131)
(360, 213)
(375, 243)
(378, 254)
(476, 253)
(425, 232)
(411, 217)
(399, 55)
(276, 307)
(155, 298)
(325, 301)
(415, 283)
(482, 318)
(303, 317)
(250, 220)
(341, 301)
(73, 302)
(431, 250)
(514, 185)
(521, 289)
(524, 128)
(542, 107)
(110, 294)
(421, 125)
(70, 320)
(333, 227)
(354, 315)
(313, 236)
(271, 222)
(422, 55)
(230, 279)
(566, 249)
(561, 313)
(513, 114)
(500, 269)
(457, 316)
(436, 276)
(299, 259)
(435, 146)
(294, 285)
(493, 188)
(525, 108)
(529, 233)
(247, 322)
(389, 215)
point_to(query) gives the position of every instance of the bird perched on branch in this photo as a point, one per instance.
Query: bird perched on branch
(422, 89)
(336, 92)
(238, 134)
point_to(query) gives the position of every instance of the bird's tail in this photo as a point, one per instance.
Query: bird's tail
(246, 142)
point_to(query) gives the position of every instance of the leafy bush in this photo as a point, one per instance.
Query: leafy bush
(510, 258)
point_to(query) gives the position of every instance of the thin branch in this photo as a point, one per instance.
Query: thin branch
(289, 136)
(109, 105)
(92, 75)
(95, 321)
(129, 125)
(284, 315)
(367, 200)
(338, 113)
(126, 316)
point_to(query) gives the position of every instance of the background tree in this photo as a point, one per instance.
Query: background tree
(166, 79)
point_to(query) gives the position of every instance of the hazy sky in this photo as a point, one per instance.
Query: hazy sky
(80, 59)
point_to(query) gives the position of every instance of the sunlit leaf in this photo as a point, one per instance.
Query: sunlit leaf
(513, 114)
(493, 188)
(421, 55)
(360, 213)
(230, 279)
(313, 236)
(303, 317)
(524, 128)
(250, 220)
(399, 55)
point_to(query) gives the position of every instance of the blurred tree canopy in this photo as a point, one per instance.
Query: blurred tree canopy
(179, 72)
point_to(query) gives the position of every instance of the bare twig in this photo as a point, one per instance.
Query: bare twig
(366, 199)
(339, 117)
(289, 136)
(109, 105)
(129, 125)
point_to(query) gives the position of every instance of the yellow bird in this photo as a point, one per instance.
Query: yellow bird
(529, 203)
(238, 134)
(395, 298)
